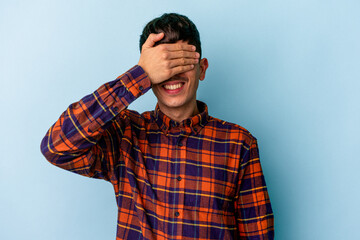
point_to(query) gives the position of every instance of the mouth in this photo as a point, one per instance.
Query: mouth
(173, 87)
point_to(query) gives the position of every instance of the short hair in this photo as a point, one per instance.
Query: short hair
(175, 27)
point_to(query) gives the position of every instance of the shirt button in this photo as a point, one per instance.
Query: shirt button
(177, 214)
(180, 144)
(141, 88)
(116, 109)
(179, 178)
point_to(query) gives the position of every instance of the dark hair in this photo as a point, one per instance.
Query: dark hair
(175, 27)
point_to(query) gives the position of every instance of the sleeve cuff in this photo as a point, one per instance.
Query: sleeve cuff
(136, 81)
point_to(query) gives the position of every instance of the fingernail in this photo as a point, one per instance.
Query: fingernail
(193, 48)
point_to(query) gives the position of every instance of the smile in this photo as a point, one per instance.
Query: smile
(173, 86)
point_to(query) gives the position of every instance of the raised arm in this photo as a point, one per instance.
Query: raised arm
(73, 142)
(86, 137)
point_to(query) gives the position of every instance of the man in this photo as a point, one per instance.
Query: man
(178, 173)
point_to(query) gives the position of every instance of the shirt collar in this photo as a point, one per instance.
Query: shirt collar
(192, 124)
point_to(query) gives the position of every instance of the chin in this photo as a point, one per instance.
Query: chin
(173, 103)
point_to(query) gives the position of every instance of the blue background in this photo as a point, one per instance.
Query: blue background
(288, 71)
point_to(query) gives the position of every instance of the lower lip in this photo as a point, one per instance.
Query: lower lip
(173, 91)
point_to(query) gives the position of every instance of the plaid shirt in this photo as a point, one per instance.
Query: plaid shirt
(198, 179)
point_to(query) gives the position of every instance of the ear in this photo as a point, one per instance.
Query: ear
(203, 66)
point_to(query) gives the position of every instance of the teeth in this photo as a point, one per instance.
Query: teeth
(173, 87)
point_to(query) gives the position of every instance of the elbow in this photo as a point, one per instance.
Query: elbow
(44, 148)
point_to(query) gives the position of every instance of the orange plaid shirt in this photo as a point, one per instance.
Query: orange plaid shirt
(198, 179)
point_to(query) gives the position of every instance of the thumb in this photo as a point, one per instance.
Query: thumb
(152, 39)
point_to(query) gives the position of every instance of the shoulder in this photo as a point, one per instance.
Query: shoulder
(234, 131)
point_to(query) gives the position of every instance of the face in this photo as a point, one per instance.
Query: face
(179, 92)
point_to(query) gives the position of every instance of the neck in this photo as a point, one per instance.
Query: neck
(181, 113)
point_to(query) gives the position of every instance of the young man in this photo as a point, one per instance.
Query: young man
(178, 173)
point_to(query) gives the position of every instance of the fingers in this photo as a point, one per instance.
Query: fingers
(181, 69)
(181, 54)
(152, 39)
(182, 61)
(179, 57)
(179, 47)
(178, 50)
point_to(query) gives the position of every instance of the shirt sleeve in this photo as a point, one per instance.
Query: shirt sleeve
(253, 210)
(81, 139)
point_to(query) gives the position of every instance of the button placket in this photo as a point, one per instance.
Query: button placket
(179, 140)
(180, 176)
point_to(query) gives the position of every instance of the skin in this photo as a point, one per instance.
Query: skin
(173, 65)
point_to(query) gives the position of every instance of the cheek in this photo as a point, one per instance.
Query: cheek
(155, 90)
(192, 75)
